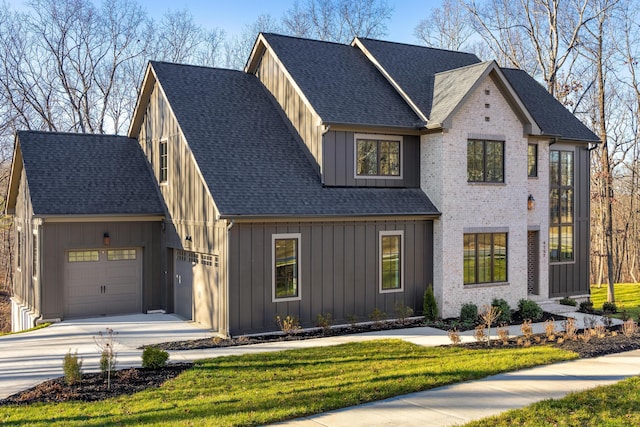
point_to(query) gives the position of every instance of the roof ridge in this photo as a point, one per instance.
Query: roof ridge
(84, 134)
(306, 39)
(418, 46)
(477, 64)
(152, 61)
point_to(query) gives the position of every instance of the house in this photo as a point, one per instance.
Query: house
(324, 178)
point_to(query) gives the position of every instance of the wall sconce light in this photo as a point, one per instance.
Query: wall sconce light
(106, 239)
(188, 239)
(531, 202)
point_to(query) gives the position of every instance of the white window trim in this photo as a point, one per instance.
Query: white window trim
(402, 256)
(19, 249)
(165, 141)
(274, 237)
(358, 136)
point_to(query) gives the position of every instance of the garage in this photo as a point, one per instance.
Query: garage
(103, 282)
(196, 287)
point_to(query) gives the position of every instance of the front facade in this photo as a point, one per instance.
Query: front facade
(281, 191)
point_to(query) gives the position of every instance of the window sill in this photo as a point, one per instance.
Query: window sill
(286, 299)
(493, 184)
(562, 262)
(391, 291)
(378, 177)
(485, 285)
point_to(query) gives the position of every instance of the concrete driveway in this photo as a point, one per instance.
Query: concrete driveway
(29, 358)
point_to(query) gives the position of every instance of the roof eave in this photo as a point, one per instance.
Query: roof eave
(14, 178)
(143, 100)
(351, 216)
(147, 217)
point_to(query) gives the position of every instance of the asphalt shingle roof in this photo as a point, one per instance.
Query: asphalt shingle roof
(249, 158)
(414, 68)
(552, 117)
(86, 174)
(341, 84)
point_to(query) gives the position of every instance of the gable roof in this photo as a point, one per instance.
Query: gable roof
(84, 174)
(341, 84)
(250, 160)
(425, 75)
(552, 117)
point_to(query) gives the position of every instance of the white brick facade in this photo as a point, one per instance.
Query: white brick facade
(478, 207)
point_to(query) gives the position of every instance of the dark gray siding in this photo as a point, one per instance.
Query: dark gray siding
(339, 163)
(57, 238)
(339, 262)
(566, 279)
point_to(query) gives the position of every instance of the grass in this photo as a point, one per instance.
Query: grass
(265, 388)
(35, 328)
(614, 405)
(627, 298)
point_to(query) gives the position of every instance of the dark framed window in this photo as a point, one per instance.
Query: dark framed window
(286, 267)
(485, 258)
(532, 160)
(561, 205)
(378, 157)
(35, 255)
(163, 162)
(391, 271)
(485, 161)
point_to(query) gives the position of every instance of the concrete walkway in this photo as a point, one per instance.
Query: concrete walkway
(30, 358)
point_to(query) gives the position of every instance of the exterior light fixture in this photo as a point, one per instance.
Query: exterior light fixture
(106, 239)
(531, 202)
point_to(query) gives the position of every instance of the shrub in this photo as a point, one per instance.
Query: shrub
(568, 301)
(585, 307)
(402, 312)
(609, 307)
(324, 321)
(72, 367)
(106, 345)
(505, 310)
(154, 358)
(468, 313)
(529, 310)
(289, 325)
(377, 316)
(454, 336)
(429, 306)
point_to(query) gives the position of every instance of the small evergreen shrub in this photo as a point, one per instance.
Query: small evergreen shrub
(469, 313)
(72, 367)
(529, 309)
(402, 312)
(429, 306)
(568, 301)
(324, 321)
(585, 307)
(377, 316)
(154, 358)
(609, 307)
(505, 310)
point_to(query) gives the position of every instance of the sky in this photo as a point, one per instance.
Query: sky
(232, 16)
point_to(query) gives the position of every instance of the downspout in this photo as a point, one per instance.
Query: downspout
(230, 224)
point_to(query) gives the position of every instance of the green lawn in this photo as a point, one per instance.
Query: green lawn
(265, 388)
(615, 405)
(627, 298)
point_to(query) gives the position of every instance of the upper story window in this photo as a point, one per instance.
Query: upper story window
(378, 156)
(391, 266)
(532, 160)
(485, 258)
(485, 161)
(163, 162)
(286, 267)
(561, 205)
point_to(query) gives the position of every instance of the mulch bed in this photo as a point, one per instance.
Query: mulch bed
(94, 386)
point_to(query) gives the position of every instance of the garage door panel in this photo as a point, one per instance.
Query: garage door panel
(103, 282)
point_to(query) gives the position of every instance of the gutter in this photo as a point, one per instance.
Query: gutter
(350, 216)
(230, 225)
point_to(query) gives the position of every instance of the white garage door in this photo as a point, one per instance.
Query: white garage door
(103, 281)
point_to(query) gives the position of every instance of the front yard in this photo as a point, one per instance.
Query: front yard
(627, 299)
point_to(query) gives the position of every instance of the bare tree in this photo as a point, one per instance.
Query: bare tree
(446, 27)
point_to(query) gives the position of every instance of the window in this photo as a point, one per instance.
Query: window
(83, 256)
(286, 267)
(485, 161)
(163, 162)
(121, 254)
(19, 250)
(561, 206)
(485, 258)
(391, 267)
(206, 259)
(378, 156)
(532, 160)
(35, 255)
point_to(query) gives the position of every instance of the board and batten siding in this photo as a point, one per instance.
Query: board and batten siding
(58, 238)
(25, 288)
(191, 222)
(302, 118)
(339, 162)
(339, 271)
(572, 278)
